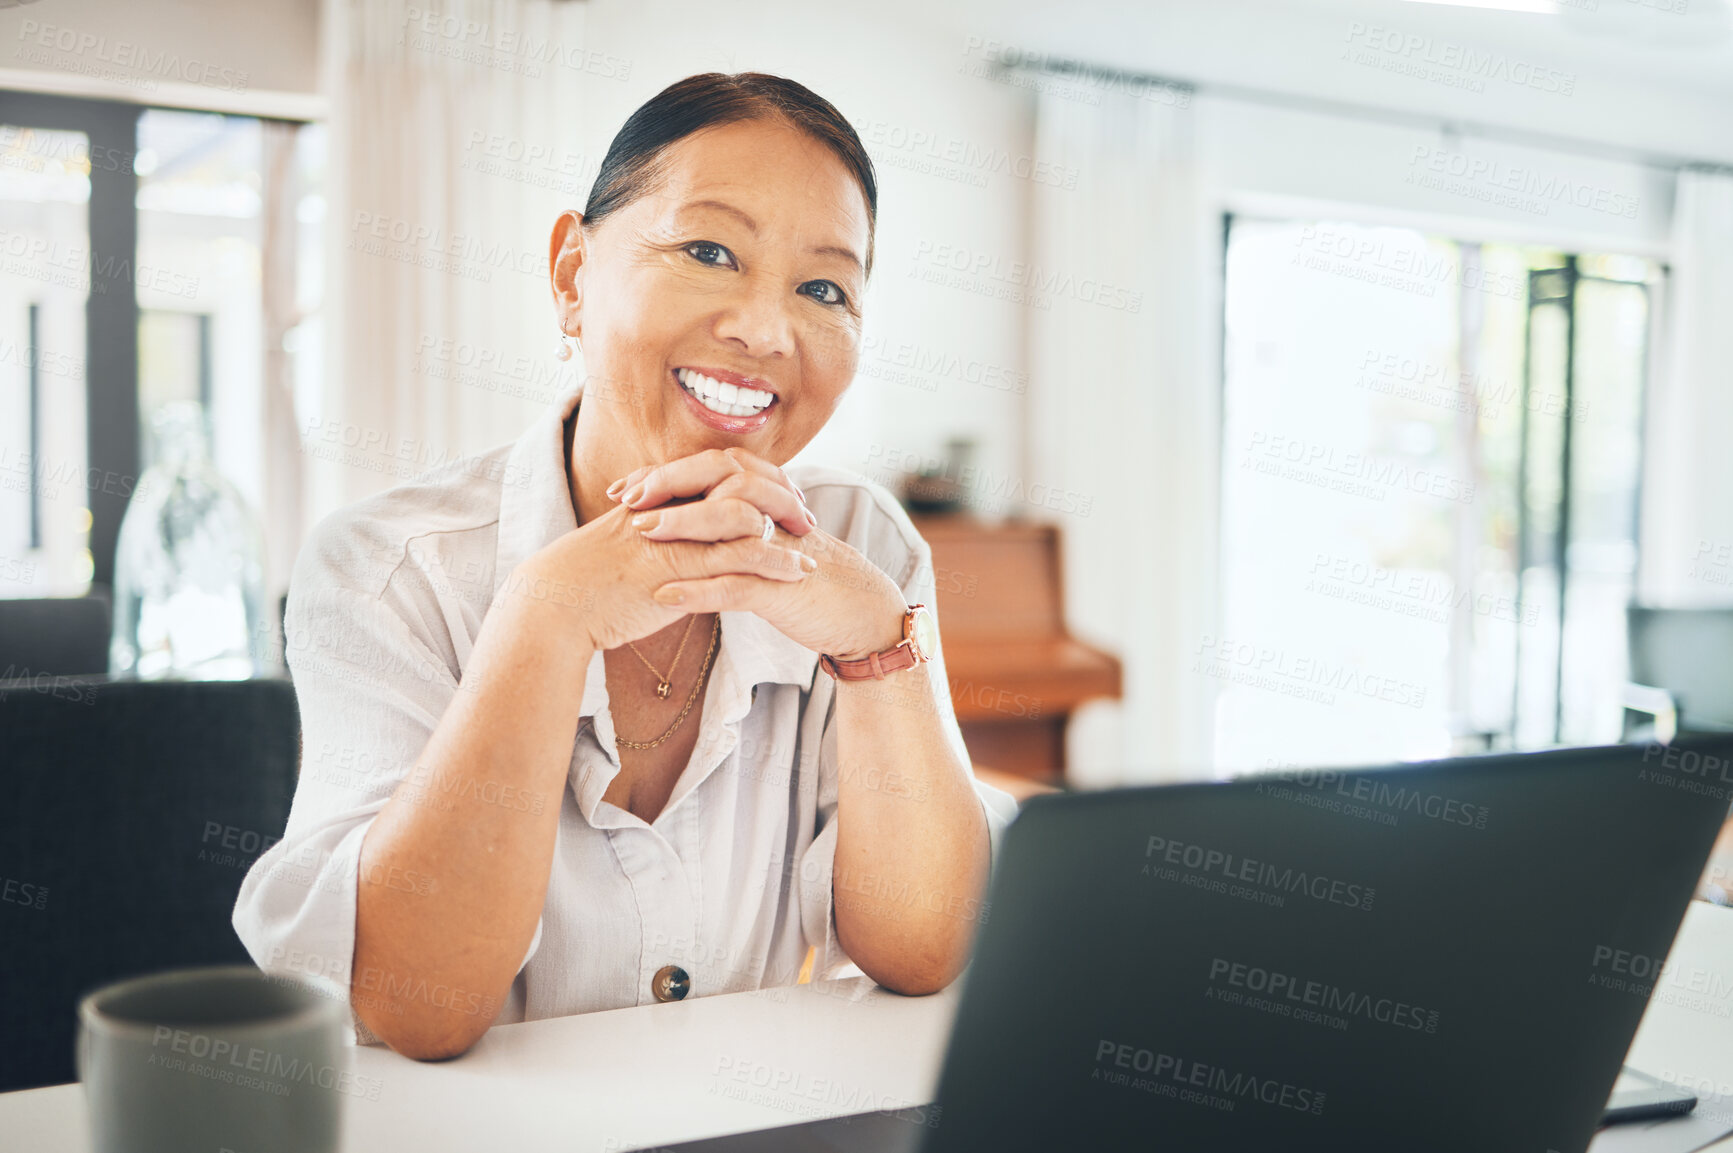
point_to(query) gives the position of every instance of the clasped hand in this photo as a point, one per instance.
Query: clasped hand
(688, 537)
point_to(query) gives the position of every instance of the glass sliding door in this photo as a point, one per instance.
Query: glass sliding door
(200, 199)
(71, 401)
(1430, 464)
(44, 290)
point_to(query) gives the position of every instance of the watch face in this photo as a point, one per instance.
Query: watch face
(925, 633)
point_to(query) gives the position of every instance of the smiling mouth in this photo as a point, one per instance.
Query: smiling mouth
(721, 398)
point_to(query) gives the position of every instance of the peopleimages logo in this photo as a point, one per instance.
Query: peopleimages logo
(1712, 562)
(231, 1062)
(958, 266)
(1381, 792)
(1448, 62)
(1707, 992)
(118, 60)
(1238, 983)
(794, 1091)
(1196, 1082)
(1364, 474)
(1687, 770)
(1419, 595)
(1224, 872)
(1315, 679)
(1514, 185)
(1419, 269)
(965, 160)
(1439, 386)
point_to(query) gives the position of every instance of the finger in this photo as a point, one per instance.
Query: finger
(749, 557)
(711, 519)
(687, 476)
(770, 496)
(766, 496)
(696, 474)
(731, 593)
(619, 487)
(758, 465)
(723, 521)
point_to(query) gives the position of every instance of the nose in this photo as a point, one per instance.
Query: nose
(758, 319)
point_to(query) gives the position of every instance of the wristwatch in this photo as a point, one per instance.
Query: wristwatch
(920, 641)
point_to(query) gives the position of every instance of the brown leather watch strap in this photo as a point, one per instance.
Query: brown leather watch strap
(872, 667)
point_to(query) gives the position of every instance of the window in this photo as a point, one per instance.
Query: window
(136, 275)
(44, 193)
(1431, 455)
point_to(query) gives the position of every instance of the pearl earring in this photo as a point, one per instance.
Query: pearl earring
(564, 351)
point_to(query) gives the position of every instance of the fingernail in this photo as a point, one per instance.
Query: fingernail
(808, 563)
(633, 494)
(647, 521)
(615, 489)
(810, 519)
(669, 596)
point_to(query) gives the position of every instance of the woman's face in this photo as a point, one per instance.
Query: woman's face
(722, 308)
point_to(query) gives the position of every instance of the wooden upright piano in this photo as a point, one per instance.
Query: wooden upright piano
(1016, 675)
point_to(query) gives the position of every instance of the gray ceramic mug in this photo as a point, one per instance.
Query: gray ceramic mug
(213, 1059)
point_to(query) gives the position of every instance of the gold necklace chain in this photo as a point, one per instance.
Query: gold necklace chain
(665, 684)
(691, 697)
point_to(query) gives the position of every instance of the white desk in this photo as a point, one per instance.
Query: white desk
(609, 1081)
(664, 1073)
(1687, 1032)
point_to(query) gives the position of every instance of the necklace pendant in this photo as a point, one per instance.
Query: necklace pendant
(663, 688)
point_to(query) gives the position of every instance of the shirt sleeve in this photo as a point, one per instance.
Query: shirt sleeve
(370, 692)
(817, 864)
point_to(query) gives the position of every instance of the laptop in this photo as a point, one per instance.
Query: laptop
(1445, 956)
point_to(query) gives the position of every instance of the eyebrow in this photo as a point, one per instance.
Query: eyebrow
(751, 224)
(837, 250)
(847, 254)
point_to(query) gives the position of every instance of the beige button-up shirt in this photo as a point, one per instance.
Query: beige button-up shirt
(731, 882)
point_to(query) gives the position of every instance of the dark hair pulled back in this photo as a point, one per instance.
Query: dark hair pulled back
(710, 99)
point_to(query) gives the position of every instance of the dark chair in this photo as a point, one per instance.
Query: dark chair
(1688, 653)
(132, 811)
(60, 636)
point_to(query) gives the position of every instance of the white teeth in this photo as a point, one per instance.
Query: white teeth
(726, 399)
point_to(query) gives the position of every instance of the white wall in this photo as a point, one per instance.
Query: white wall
(916, 72)
(224, 46)
(938, 362)
(1264, 159)
(950, 143)
(897, 80)
(1640, 79)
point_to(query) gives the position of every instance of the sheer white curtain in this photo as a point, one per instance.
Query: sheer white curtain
(456, 137)
(1124, 407)
(1687, 546)
(285, 476)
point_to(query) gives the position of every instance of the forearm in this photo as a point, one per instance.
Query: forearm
(478, 816)
(912, 852)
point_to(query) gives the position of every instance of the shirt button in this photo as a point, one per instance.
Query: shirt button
(670, 983)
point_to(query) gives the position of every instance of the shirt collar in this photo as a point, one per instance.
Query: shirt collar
(536, 510)
(535, 507)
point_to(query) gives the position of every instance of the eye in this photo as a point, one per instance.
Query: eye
(708, 252)
(823, 291)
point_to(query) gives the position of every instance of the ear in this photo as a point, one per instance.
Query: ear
(566, 256)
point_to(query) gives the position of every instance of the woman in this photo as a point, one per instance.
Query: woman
(567, 740)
